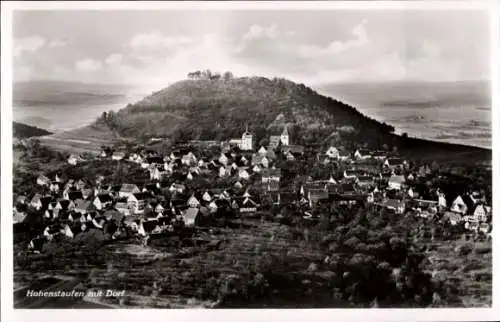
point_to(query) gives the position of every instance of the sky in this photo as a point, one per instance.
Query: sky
(154, 48)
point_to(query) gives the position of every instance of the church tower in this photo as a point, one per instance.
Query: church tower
(284, 136)
(247, 140)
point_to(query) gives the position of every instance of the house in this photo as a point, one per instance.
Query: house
(256, 159)
(477, 197)
(262, 151)
(350, 174)
(206, 196)
(83, 206)
(40, 203)
(394, 163)
(135, 157)
(362, 154)
(42, 180)
(79, 217)
(484, 228)
(289, 156)
(223, 172)
(271, 186)
(223, 159)
(237, 185)
(21, 200)
(365, 181)
(160, 207)
(118, 155)
(344, 155)
(247, 205)
(74, 159)
(243, 174)
(102, 201)
(80, 184)
(73, 195)
(177, 187)
(66, 231)
(430, 205)
(18, 216)
(398, 206)
(347, 188)
(332, 152)
(51, 214)
(396, 182)
(152, 161)
(274, 141)
(462, 205)
(452, 217)
(55, 187)
(193, 202)
(87, 193)
(65, 205)
(127, 190)
(441, 201)
(137, 201)
(480, 213)
(264, 162)
(36, 244)
(158, 173)
(379, 155)
(123, 207)
(256, 168)
(105, 152)
(271, 155)
(296, 150)
(151, 226)
(213, 207)
(190, 216)
(316, 195)
(153, 188)
(269, 175)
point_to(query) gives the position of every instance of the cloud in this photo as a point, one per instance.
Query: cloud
(260, 34)
(57, 43)
(155, 40)
(28, 44)
(88, 65)
(114, 59)
(360, 39)
(23, 73)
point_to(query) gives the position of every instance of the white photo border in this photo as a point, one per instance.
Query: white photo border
(10, 314)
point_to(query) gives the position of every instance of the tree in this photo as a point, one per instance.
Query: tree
(228, 76)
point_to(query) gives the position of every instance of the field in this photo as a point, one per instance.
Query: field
(86, 139)
(464, 263)
(253, 263)
(166, 276)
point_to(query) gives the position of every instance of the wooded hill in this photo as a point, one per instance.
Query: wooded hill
(219, 108)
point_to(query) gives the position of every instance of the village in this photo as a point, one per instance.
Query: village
(201, 182)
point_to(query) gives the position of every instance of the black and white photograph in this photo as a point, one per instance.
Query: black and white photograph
(257, 156)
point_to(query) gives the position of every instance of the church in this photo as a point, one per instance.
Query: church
(283, 138)
(246, 141)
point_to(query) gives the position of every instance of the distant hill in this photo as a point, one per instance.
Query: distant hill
(35, 93)
(412, 94)
(23, 131)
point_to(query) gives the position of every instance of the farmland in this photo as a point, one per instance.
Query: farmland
(88, 139)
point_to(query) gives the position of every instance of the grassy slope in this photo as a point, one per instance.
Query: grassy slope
(86, 139)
